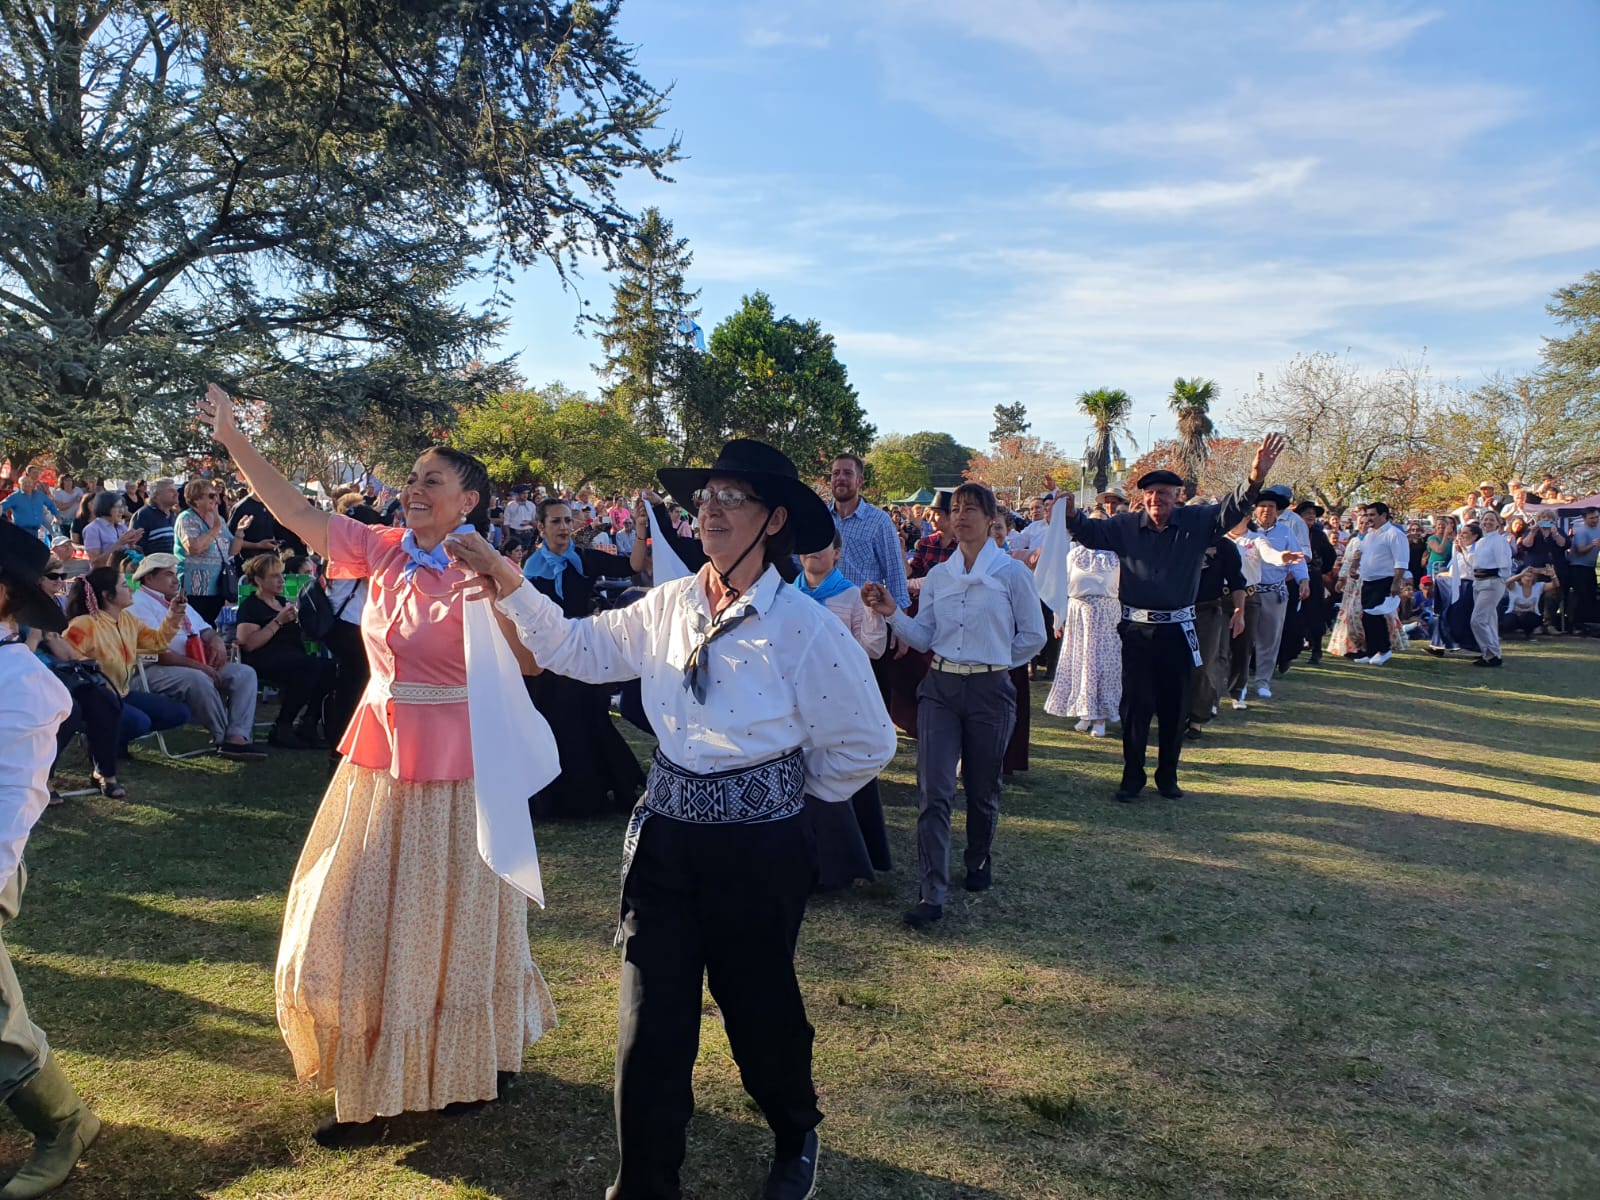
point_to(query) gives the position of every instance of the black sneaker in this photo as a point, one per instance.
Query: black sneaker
(924, 914)
(1126, 794)
(241, 751)
(283, 738)
(795, 1178)
(981, 879)
(1170, 791)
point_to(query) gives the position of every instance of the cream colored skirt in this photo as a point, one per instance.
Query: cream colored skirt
(404, 977)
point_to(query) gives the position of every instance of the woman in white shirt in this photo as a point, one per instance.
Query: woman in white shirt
(1523, 594)
(853, 841)
(980, 615)
(1490, 560)
(759, 697)
(33, 703)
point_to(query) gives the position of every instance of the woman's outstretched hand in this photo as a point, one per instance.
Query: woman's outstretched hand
(495, 576)
(216, 410)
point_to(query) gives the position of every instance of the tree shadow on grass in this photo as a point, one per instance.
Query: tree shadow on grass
(556, 1139)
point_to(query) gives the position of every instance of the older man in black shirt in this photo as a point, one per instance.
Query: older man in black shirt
(1163, 548)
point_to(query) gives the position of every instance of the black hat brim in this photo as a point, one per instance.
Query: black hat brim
(31, 605)
(810, 519)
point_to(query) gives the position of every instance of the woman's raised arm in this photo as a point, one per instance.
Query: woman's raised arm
(282, 498)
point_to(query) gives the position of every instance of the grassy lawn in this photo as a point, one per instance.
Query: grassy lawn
(1358, 960)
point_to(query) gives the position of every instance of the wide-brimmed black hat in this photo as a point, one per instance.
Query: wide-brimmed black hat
(775, 479)
(23, 561)
(942, 499)
(1280, 495)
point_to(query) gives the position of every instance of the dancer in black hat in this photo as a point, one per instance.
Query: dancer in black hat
(1162, 550)
(759, 697)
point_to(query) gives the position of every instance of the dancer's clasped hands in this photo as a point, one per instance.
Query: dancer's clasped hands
(496, 576)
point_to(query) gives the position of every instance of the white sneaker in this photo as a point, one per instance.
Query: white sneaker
(1264, 692)
(1213, 710)
(1363, 662)
(1083, 725)
(1377, 660)
(1239, 701)
(1099, 729)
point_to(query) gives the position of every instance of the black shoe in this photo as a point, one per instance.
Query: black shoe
(1170, 792)
(795, 1178)
(1283, 668)
(1314, 661)
(284, 738)
(1436, 651)
(1128, 795)
(980, 880)
(343, 1135)
(1493, 662)
(1486, 662)
(1193, 733)
(240, 751)
(308, 735)
(924, 914)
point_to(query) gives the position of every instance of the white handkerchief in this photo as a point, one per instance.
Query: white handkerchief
(1384, 609)
(500, 715)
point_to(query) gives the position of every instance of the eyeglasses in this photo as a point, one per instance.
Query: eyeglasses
(729, 498)
(55, 574)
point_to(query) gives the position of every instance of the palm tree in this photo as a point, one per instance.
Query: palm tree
(1109, 409)
(1191, 401)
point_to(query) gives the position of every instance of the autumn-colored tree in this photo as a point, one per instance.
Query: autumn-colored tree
(1031, 459)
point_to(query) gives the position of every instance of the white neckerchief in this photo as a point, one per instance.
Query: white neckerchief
(983, 567)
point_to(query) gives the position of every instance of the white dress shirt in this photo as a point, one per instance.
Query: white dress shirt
(33, 703)
(790, 676)
(1297, 526)
(1272, 544)
(988, 616)
(349, 598)
(152, 610)
(1249, 558)
(1384, 551)
(1030, 538)
(1491, 552)
(520, 514)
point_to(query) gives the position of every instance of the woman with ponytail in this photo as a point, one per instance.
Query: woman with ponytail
(404, 979)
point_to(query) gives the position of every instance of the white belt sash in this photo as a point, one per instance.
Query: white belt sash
(1183, 617)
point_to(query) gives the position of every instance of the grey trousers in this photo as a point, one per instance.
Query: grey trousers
(234, 720)
(1269, 631)
(1211, 626)
(965, 719)
(1487, 597)
(23, 1048)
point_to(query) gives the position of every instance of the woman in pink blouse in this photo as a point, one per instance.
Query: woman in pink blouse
(404, 980)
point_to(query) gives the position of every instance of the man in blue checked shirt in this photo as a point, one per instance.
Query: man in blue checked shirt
(872, 551)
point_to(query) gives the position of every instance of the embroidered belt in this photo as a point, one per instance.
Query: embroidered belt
(941, 663)
(766, 792)
(416, 693)
(1277, 589)
(1181, 617)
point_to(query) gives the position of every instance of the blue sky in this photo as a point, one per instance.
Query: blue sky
(998, 202)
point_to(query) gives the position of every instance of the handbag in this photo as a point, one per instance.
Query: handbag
(79, 673)
(228, 581)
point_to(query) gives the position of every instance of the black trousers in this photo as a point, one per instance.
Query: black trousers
(1156, 664)
(1293, 631)
(722, 903)
(1581, 605)
(348, 651)
(1051, 654)
(1314, 618)
(1375, 630)
(97, 714)
(303, 683)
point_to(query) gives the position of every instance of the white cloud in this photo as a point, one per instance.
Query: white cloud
(769, 37)
(1359, 33)
(1267, 181)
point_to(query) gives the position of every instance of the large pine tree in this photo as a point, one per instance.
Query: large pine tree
(644, 336)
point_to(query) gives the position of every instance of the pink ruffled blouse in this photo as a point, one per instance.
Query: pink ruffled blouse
(415, 637)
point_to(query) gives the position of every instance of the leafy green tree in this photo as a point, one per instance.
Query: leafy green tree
(1109, 409)
(945, 458)
(777, 379)
(559, 436)
(1010, 420)
(285, 194)
(1191, 401)
(892, 474)
(646, 354)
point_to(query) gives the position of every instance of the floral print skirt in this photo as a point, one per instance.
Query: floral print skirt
(404, 978)
(1088, 681)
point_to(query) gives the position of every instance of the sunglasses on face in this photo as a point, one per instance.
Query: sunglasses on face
(728, 498)
(55, 575)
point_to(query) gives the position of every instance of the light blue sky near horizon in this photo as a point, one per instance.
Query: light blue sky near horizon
(986, 204)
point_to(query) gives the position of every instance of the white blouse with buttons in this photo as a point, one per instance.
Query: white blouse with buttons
(790, 676)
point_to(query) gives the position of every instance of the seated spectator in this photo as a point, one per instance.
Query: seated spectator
(30, 507)
(156, 518)
(96, 707)
(1521, 614)
(1543, 550)
(108, 536)
(194, 667)
(102, 628)
(270, 640)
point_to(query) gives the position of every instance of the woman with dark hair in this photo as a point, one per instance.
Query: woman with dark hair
(272, 644)
(404, 978)
(758, 697)
(107, 536)
(33, 704)
(980, 616)
(102, 628)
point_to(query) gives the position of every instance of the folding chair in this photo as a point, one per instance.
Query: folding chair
(161, 741)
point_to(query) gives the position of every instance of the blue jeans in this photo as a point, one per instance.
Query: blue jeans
(143, 712)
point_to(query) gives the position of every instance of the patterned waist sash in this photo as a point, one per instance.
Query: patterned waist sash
(769, 791)
(1182, 617)
(1279, 589)
(415, 693)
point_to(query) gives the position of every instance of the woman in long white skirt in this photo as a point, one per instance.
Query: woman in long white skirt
(1088, 681)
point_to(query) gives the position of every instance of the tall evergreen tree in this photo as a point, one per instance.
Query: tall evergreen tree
(286, 195)
(644, 337)
(1010, 420)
